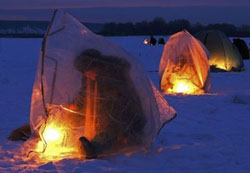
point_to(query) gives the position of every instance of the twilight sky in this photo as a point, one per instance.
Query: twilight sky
(203, 11)
(31, 4)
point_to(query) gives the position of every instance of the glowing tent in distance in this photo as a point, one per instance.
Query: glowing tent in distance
(184, 66)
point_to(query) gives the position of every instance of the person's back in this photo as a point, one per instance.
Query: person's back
(118, 110)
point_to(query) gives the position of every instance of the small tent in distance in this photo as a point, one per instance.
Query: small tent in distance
(184, 66)
(90, 97)
(224, 56)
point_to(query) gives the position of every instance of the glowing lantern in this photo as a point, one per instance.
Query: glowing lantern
(182, 87)
(184, 66)
(51, 134)
(145, 41)
(58, 138)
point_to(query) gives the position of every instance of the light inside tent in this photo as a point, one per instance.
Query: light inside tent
(65, 125)
(56, 145)
(184, 87)
(52, 134)
(221, 66)
(146, 41)
(184, 67)
(219, 63)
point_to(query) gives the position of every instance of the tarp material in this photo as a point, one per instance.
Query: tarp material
(184, 66)
(87, 86)
(223, 54)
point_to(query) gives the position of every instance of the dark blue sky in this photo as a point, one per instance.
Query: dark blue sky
(116, 3)
(203, 11)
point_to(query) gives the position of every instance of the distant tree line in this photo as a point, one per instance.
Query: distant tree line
(160, 27)
(156, 27)
(33, 29)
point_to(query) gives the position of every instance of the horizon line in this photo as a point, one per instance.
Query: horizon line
(124, 22)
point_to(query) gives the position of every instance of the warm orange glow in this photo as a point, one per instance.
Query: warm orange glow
(55, 144)
(221, 66)
(65, 125)
(90, 121)
(218, 63)
(184, 87)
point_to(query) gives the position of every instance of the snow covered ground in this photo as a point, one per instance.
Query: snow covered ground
(210, 134)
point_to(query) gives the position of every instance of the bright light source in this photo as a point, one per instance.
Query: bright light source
(146, 41)
(51, 134)
(182, 88)
(219, 63)
(59, 143)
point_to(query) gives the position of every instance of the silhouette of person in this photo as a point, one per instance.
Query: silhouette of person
(113, 109)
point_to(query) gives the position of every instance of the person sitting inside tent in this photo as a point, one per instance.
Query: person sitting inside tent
(115, 114)
(118, 111)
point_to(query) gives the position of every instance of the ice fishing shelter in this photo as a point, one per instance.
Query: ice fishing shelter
(184, 66)
(224, 56)
(89, 88)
